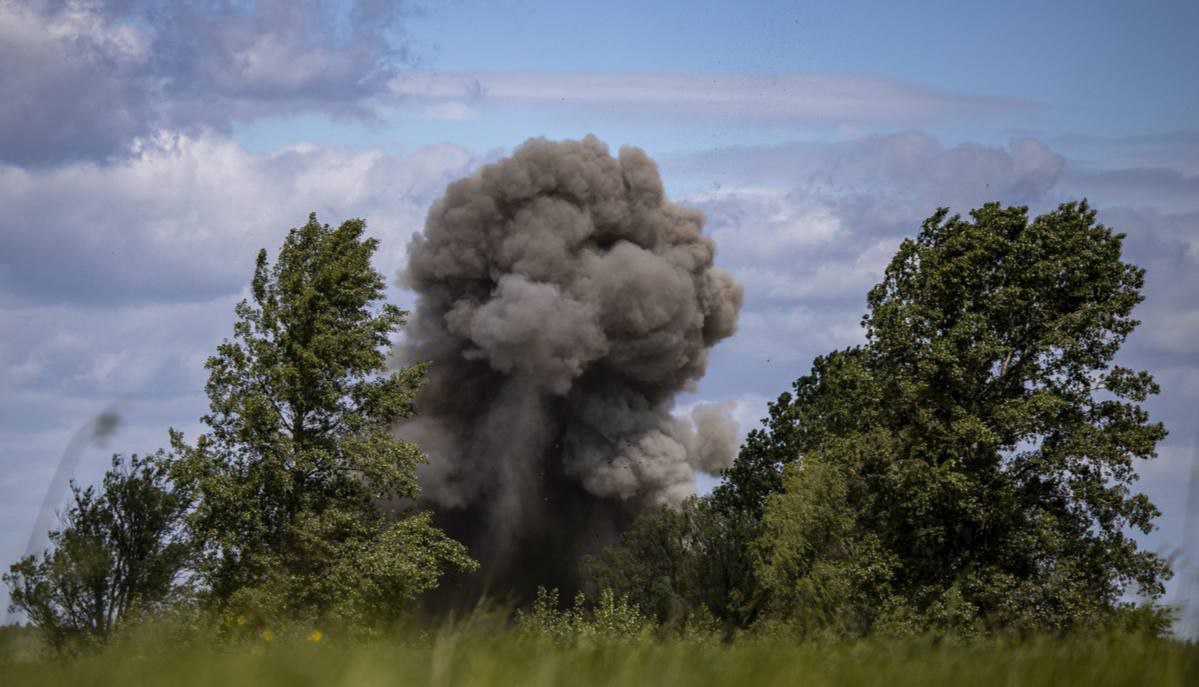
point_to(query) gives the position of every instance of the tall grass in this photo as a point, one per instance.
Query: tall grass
(483, 654)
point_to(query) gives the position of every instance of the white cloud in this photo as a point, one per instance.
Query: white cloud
(826, 279)
(183, 218)
(837, 99)
(783, 223)
(72, 82)
(107, 352)
(795, 334)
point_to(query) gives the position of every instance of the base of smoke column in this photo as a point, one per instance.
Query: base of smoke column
(545, 549)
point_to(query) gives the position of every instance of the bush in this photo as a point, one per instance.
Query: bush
(610, 619)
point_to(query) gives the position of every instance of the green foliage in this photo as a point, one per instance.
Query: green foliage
(610, 619)
(298, 458)
(119, 554)
(821, 565)
(840, 396)
(990, 489)
(684, 566)
(483, 656)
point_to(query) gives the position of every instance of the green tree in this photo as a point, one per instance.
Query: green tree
(821, 564)
(839, 396)
(1001, 497)
(654, 565)
(685, 566)
(702, 558)
(299, 459)
(120, 552)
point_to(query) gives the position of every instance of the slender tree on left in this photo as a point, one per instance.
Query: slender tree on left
(303, 493)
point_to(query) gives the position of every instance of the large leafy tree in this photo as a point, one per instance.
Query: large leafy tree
(299, 460)
(120, 552)
(998, 493)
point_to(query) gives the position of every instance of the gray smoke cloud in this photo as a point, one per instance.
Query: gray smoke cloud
(563, 303)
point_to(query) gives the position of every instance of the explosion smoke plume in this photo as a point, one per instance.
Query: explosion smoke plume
(563, 302)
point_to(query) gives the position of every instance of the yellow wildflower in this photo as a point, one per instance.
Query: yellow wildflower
(267, 635)
(315, 636)
(241, 620)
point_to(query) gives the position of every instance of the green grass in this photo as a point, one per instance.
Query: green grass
(472, 657)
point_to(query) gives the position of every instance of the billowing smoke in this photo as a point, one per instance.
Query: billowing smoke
(563, 303)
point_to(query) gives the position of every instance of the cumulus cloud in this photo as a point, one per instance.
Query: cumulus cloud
(156, 349)
(181, 219)
(74, 83)
(801, 245)
(809, 228)
(82, 78)
(795, 334)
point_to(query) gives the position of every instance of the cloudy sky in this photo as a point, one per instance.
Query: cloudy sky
(149, 148)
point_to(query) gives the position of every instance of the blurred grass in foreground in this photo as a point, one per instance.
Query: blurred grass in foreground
(475, 656)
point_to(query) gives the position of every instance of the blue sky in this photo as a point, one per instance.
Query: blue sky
(148, 149)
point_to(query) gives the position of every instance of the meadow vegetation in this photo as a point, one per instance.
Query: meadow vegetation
(480, 652)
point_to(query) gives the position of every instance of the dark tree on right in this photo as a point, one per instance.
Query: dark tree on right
(991, 487)
(970, 468)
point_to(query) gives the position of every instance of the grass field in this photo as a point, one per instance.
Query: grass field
(506, 658)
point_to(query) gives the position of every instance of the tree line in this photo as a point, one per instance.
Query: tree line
(968, 470)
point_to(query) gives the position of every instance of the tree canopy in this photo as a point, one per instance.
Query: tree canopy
(293, 476)
(119, 553)
(970, 467)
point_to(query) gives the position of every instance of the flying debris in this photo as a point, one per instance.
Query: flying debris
(95, 431)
